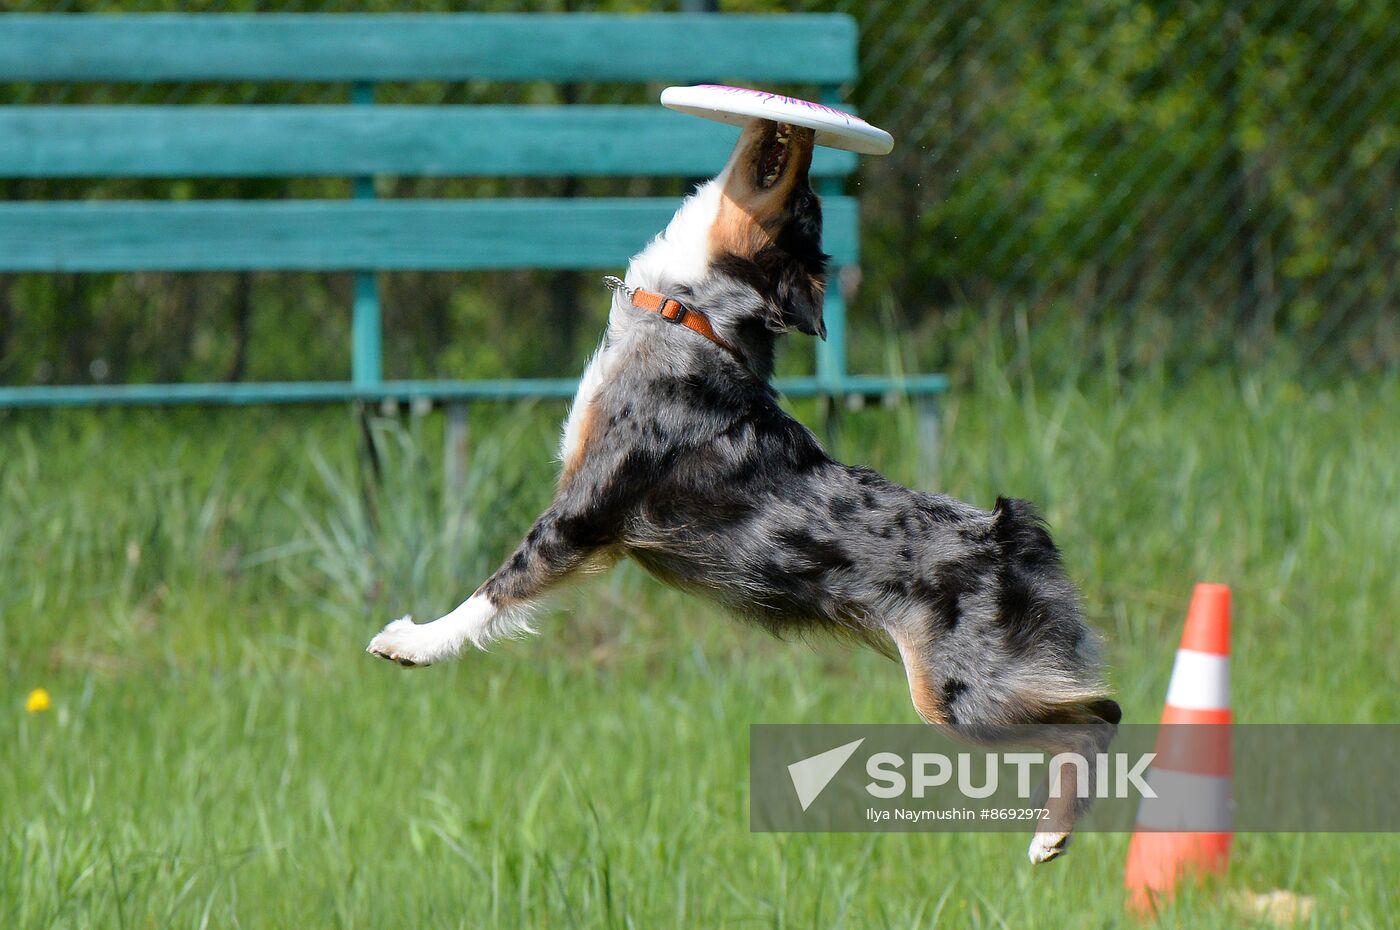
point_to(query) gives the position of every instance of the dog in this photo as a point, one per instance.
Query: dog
(677, 455)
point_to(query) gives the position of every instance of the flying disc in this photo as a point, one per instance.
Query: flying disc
(739, 106)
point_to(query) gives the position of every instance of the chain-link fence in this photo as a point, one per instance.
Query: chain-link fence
(1198, 178)
(1166, 182)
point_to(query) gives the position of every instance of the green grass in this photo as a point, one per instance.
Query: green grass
(195, 589)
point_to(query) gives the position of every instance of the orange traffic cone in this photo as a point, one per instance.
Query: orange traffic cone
(1191, 773)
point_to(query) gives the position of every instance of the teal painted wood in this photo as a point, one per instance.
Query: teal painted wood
(865, 385)
(338, 141)
(300, 392)
(362, 141)
(366, 323)
(366, 332)
(323, 235)
(831, 352)
(816, 48)
(291, 392)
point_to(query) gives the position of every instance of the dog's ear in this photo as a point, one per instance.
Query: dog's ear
(796, 266)
(796, 301)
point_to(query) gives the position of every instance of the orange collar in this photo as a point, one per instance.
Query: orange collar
(671, 310)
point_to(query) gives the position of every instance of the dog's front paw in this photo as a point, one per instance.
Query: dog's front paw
(1047, 846)
(400, 642)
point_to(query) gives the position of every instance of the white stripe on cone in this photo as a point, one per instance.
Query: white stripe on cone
(1200, 681)
(1187, 803)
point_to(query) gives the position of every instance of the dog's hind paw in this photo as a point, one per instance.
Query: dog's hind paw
(399, 642)
(1047, 846)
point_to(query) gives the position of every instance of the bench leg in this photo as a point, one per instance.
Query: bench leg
(371, 470)
(926, 415)
(831, 422)
(370, 448)
(456, 436)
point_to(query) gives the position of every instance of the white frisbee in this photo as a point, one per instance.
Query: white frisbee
(739, 106)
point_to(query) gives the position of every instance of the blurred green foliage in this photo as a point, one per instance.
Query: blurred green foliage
(1187, 183)
(1200, 178)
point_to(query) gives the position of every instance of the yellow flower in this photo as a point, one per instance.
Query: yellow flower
(38, 701)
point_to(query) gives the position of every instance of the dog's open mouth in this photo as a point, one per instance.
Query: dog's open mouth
(773, 158)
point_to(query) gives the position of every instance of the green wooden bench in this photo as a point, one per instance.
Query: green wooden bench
(363, 141)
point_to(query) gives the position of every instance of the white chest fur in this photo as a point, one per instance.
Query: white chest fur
(679, 254)
(599, 367)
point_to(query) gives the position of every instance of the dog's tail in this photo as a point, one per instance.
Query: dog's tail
(1022, 534)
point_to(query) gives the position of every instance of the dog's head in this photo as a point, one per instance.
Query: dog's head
(768, 228)
(746, 247)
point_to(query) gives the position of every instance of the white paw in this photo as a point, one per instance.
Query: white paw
(404, 642)
(1047, 846)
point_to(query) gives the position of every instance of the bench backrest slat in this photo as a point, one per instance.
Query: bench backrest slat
(343, 141)
(363, 139)
(505, 47)
(590, 232)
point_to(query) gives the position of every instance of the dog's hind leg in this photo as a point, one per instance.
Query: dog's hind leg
(1081, 730)
(963, 708)
(557, 546)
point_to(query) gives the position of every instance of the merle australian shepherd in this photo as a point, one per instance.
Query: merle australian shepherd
(677, 454)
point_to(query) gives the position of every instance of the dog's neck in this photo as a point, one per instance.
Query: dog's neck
(676, 263)
(756, 343)
(744, 339)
